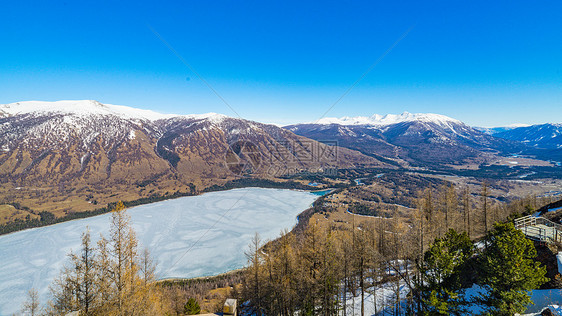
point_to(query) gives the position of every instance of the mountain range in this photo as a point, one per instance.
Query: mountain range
(545, 136)
(85, 153)
(412, 139)
(80, 154)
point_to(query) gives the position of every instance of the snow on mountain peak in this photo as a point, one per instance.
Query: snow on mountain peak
(92, 107)
(212, 117)
(516, 125)
(381, 120)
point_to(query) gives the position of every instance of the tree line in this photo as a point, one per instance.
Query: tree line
(48, 218)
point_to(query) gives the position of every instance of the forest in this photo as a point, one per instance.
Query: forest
(415, 265)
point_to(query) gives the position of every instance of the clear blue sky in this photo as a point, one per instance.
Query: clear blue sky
(487, 63)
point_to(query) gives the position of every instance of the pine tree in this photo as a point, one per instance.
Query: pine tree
(442, 270)
(191, 307)
(509, 271)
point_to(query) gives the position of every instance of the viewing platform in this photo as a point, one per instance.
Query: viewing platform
(539, 229)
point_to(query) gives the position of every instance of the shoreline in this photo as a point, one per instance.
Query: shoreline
(148, 203)
(235, 184)
(209, 278)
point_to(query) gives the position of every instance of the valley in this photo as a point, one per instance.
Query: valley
(69, 157)
(74, 156)
(280, 158)
(218, 179)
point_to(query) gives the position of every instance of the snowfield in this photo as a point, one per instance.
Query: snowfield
(223, 222)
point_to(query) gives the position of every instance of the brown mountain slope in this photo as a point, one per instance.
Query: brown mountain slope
(67, 161)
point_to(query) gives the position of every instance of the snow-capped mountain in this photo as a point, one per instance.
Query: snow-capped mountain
(423, 139)
(500, 129)
(545, 136)
(86, 147)
(390, 119)
(84, 108)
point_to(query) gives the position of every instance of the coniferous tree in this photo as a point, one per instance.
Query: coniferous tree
(484, 193)
(31, 305)
(106, 280)
(509, 271)
(147, 267)
(191, 307)
(466, 211)
(442, 270)
(84, 265)
(77, 286)
(255, 259)
(451, 204)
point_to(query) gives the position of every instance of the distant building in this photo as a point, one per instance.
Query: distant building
(229, 307)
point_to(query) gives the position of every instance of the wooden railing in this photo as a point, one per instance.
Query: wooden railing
(539, 229)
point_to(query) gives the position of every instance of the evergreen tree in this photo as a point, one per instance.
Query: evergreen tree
(191, 307)
(442, 272)
(509, 271)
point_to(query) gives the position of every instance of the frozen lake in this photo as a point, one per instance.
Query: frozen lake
(224, 223)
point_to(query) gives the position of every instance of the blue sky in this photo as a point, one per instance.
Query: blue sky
(486, 63)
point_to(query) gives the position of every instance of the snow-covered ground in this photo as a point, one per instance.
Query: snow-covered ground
(385, 296)
(386, 300)
(543, 299)
(224, 222)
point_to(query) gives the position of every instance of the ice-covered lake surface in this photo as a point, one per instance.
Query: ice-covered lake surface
(223, 222)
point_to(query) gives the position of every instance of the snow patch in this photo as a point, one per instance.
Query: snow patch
(516, 125)
(211, 117)
(384, 298)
